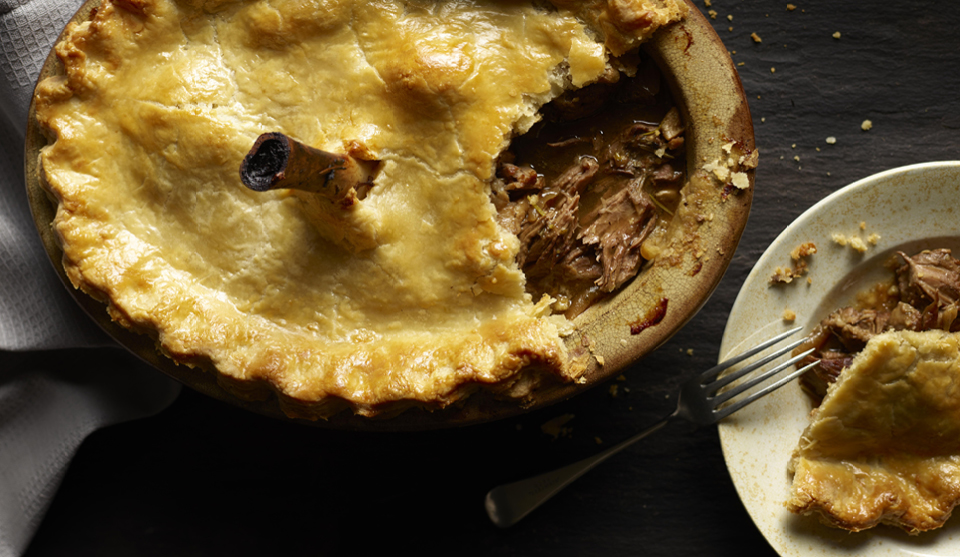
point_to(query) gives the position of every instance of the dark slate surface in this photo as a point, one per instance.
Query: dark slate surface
(203, 478)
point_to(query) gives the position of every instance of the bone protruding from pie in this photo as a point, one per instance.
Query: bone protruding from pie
(277, 161)
(328, 184)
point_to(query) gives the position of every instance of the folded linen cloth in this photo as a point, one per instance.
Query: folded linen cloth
(48, 403)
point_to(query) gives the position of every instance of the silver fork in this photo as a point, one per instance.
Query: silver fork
(698, 402)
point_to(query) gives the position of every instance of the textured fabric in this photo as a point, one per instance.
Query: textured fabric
(45, 413)
(48, 402)
(35, 310)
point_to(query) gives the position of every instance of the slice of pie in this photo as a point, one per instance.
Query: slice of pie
(413, 296)
(884, 446)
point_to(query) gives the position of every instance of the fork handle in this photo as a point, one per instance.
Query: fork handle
(508, 503)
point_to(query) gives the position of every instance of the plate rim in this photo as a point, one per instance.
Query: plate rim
(729, 341)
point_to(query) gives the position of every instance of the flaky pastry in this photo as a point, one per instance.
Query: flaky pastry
(160, 101)
(884, 446)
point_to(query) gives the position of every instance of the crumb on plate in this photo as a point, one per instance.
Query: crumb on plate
(799, 257)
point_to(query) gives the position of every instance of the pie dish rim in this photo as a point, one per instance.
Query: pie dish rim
(694, 33)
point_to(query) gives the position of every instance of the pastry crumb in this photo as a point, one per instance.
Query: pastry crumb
(866, 125)
(713, 14)
(789, 315)
(733, 169)
(756, 38)
(857, 243)
(613, 390)
(836, 35)
(721, 172)
(805, 249)
(689, 351)
(621, 378)
(831, 140)
(555, 427)
(751, 160)
(799, 255)
(591, 345)
(740, 180)
(791, 7)
(854, 241)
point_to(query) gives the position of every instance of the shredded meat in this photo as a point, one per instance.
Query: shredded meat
(617, 229)
(929, 276)
(928, 288)
(549, 230)
(582, 228)
(855, 327)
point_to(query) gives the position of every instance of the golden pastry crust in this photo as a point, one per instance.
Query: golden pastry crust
(161, 99)
(884, 446)
(625, 23)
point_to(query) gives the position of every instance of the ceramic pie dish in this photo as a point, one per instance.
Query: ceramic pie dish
(251, 357)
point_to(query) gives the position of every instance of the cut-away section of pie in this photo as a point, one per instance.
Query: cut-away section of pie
(409, 295)
(884, 445)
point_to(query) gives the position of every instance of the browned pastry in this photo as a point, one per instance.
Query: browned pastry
(412, 297)
(884, 446)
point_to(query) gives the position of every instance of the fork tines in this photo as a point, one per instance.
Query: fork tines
(710, 386)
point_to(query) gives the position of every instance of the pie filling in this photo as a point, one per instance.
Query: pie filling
(923, 296)
(589, 185)
(883, 445)
(421, 291)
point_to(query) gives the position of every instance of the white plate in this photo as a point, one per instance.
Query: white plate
(911, 208)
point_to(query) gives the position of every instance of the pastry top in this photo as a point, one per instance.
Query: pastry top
(884, 446)
(161, 99)
(624, 24)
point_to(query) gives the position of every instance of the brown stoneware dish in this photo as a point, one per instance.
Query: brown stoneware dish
(608, 336)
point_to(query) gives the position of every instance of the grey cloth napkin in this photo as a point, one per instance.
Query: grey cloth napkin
(50, 399)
